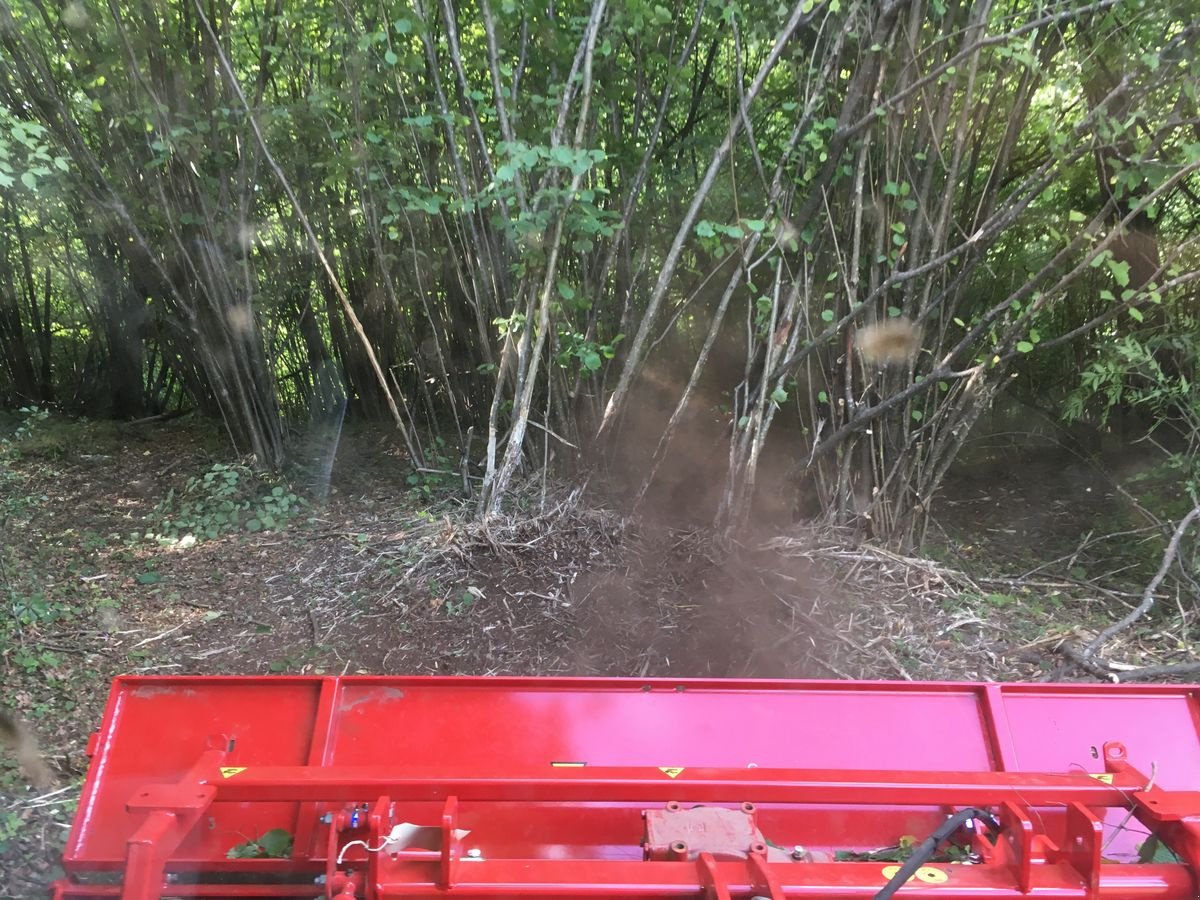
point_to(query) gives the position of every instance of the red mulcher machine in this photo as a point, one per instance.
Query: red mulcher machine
(373, 787)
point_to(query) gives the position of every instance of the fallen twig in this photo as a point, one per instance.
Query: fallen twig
(1145, 673)
(1121, 672)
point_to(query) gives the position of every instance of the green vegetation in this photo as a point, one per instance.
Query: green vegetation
(490, 219)
(224, 500)
(273, 844)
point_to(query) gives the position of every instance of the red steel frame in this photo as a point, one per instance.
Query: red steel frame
(537, 787)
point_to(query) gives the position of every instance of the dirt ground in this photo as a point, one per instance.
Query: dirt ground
(390, 577)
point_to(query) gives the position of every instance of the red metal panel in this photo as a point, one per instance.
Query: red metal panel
(538, 787)
(154, 728)
(1055, 731)
(476, 723)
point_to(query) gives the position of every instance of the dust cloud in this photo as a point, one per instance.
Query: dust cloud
(680, 603)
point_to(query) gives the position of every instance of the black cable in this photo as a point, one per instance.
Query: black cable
(924, 851)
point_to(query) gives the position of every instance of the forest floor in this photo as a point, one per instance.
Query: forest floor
(390, 576)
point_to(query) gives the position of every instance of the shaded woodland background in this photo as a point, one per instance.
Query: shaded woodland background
(575, 236)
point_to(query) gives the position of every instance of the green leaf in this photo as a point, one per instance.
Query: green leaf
(29, 180)
(1024, 346)
(917, 415)
(276, 843)
(1136, 314)
(756, 225)
(1120, 271)
(254, 525)
(779, 395)
(1076, 216)
(894, 311)
(566, 291)
(149, 578)
(591, 360)
(391, 58)
(827, 315)
(822, 397)
(704, 228)
(1154, 850)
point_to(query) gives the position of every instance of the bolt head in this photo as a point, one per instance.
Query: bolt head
(474, 853)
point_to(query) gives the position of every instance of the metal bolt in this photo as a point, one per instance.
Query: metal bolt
(798, 852)
(327, 819)
(475, 853)
(172, 877)
(320, 879)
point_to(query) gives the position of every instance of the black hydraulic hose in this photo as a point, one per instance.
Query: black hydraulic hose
(925, 850)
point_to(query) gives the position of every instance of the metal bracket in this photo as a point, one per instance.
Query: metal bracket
(171, 812)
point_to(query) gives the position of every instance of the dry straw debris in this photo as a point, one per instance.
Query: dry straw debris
(890, 342)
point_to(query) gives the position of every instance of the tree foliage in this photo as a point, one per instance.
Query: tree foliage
(484, 216)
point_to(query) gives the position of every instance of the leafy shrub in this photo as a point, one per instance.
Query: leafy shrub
(439, 478)
(1129, 373)
(224, 500)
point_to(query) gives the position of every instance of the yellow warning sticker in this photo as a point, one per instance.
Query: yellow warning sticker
(1106, 777)
(568, 765)
(927, 874)
(230, 771)
(671, 771)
